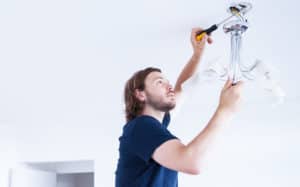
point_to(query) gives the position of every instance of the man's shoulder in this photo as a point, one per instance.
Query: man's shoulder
(142, 123)
(142, 119)
(145, 119)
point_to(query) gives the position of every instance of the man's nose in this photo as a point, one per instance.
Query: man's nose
(169, 86)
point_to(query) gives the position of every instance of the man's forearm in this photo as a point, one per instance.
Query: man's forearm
(188, 70)
(198, 147)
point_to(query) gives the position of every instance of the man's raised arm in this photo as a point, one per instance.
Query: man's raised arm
(192, 65)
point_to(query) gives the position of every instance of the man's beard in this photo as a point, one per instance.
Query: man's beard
(160, 105)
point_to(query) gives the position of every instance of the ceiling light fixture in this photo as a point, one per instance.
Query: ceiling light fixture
(236, 70)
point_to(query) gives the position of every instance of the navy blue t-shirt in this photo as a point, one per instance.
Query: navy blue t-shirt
(136, 168)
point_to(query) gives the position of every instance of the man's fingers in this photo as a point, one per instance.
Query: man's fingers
(204, 38)
(210, 40)
(239, 85)
(228, 84)
(196, 29)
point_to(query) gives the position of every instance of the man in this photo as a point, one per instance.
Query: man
(150, 155)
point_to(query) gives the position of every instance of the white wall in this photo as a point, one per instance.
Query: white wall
(27, 177)
(4, 175)
(8, 153)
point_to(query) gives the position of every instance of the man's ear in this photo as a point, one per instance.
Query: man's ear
(140, 94)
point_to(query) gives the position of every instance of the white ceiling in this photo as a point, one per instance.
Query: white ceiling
(66, 62)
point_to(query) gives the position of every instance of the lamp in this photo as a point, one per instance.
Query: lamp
(257, 71)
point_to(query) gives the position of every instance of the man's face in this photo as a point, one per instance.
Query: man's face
(159, 94)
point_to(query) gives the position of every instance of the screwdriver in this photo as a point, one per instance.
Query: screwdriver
(199, 35)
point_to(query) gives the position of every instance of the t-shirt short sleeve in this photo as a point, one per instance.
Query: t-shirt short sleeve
(147, 135)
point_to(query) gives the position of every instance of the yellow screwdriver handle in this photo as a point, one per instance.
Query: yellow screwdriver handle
(200, 36)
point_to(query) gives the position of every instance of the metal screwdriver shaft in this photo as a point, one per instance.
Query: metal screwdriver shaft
(214, 27)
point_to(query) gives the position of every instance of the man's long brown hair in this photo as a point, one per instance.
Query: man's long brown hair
(133, 106)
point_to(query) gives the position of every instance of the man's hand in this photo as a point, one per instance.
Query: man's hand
(198, 46)
(230, 97)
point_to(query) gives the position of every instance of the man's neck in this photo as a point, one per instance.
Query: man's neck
(159, 115)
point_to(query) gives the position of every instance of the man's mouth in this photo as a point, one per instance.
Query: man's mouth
(171, 94)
